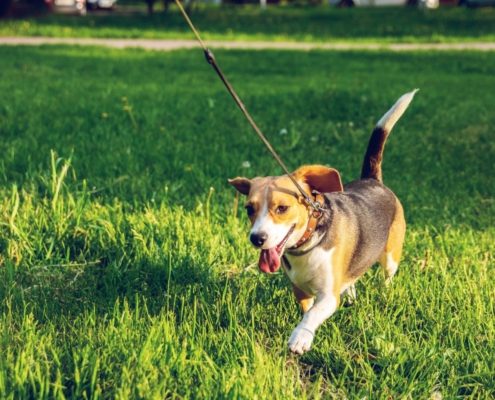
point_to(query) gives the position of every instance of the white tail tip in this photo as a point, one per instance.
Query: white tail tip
(388, 121)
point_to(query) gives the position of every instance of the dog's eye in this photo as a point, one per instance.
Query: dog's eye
(249, 209)
(281, 209)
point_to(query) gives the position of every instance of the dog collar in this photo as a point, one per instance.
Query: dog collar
(313, 221)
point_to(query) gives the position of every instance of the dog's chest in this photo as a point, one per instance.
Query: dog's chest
(311, 272)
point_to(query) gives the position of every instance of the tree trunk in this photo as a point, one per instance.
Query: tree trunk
(5, 6)
(189, 6)
(150, 4)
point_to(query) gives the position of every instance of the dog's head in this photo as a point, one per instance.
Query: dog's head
(277, 211)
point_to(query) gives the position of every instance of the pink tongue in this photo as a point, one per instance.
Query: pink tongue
(269, 260)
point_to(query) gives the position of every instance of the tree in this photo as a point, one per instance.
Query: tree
(150, 4)
(188, 5)
(5, 6)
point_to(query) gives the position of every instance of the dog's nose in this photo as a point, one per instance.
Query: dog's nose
(258, 238)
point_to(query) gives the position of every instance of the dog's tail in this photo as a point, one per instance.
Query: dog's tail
(372, 164)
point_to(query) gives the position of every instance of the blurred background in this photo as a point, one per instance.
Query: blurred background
(22, 8)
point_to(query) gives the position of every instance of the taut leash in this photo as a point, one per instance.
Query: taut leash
(210, 58)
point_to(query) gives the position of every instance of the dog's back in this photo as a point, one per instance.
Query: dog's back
(367, 210)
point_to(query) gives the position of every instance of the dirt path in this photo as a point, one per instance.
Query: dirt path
(169, 45)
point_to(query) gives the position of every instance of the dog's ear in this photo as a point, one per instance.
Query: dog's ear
(243, 185)
(320, 178)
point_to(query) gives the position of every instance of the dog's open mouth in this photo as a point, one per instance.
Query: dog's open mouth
(269, 261)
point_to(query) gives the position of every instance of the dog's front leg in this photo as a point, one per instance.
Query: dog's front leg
(302, 337)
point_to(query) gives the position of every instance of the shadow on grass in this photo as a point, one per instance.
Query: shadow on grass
(54, 291)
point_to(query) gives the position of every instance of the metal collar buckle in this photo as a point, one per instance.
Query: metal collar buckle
(316, 205)
(317, 212)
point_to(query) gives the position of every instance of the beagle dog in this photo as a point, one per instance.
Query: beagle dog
(324, 250)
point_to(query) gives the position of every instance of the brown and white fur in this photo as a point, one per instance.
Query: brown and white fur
(364, 223)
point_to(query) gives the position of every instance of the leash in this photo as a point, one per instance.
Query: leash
(210, 58)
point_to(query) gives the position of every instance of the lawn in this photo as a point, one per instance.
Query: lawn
(125, 270)
(320, 24)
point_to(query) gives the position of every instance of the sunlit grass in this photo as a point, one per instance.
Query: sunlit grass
(124, 266)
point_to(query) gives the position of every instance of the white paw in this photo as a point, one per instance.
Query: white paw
(300, 340)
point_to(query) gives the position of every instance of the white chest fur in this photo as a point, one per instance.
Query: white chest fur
(312, 272)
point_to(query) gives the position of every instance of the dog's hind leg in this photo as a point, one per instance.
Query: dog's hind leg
(390, 257)
(350, 294)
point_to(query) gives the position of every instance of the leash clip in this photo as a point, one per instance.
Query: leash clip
(317, 213)
(316, 206)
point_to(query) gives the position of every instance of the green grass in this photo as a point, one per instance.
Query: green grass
(321, 24)
(125, 271)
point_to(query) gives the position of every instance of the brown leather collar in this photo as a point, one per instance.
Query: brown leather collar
(313, 221)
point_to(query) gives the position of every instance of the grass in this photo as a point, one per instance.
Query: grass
(320, 24)
(125, 271)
